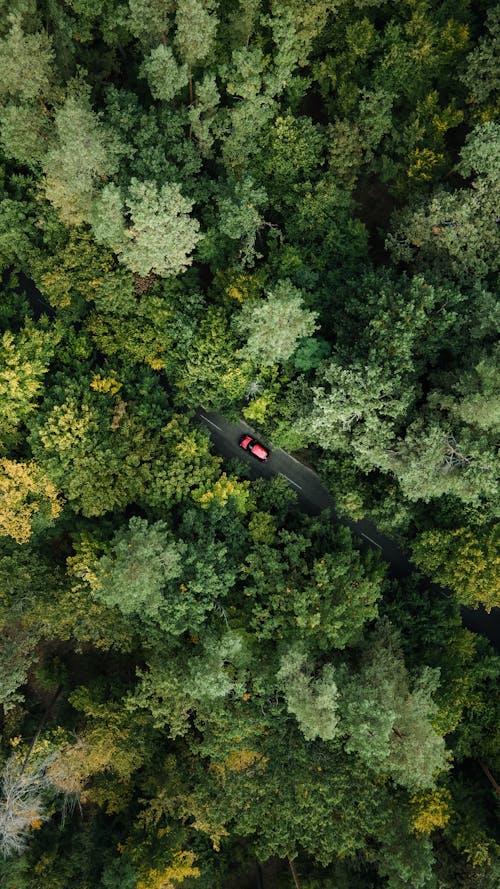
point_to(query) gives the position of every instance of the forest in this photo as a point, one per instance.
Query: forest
(284, 211)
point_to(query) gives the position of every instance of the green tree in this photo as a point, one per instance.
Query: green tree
(312, 701)
(149, 20)
(387, 720)
(26, 63)
(465, 560)
(240, 217)
(165, 77)
(358, 413)
(203, 117)
(253, 109)
(310, 585)
(455, 232)
(196, 31)
(274, 327)
(24, 362)
(25, 132)
(481, 74)
(139, 563)
(86, 153)
(155, 233)
(212, 375)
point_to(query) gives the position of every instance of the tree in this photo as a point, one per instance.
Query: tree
(26, 63)
(464, 560)
(79, 271)
(274, 328)
(240, 216)
(165, 77)
(24, 361)
(312, 586)
(25, 132)
(312, 701)
(195, 35)
(253, 109)
(430, 462)
(86, 152)
(160, 234)
(455, 232)
(388, 723)
(149, 20)
(211, 374)
(481, 74)
(291, 152)
(21, 805)
(137, 567)
(29, 500)
(358, 413)
(97, 765)
(203, 116)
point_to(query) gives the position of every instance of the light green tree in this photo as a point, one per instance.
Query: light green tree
(164, 75)
(456, 231)
(86, 153)
(430, 460)
(25, 131)
(357, 413)
(151, 229)
(196, 31)
(313, 701)
(274, 328)
(26, 63)
(137, 566)
(387, 717)
(481, 75)
(465, 560)
(246, 119)
(241, 216)
(149, 20)
(212, 375)
(24, 361)
(203, 116)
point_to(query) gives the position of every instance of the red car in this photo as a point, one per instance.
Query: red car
(255, 448)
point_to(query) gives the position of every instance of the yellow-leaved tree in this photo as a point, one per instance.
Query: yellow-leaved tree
(28, 500)
(181, 867)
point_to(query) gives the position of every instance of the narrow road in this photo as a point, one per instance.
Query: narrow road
(314, 498)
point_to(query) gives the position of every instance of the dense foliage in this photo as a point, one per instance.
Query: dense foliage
(285, 211)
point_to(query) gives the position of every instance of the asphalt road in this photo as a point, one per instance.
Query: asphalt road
(314, 498)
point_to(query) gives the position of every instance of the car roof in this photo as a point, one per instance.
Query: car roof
(260, 450)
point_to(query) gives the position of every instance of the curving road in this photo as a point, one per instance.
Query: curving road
(314, 498)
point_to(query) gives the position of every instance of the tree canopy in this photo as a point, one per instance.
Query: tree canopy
(285, 212)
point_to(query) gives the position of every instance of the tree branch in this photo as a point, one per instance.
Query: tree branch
(496, 787)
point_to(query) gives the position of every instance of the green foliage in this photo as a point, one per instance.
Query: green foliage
(148, 20)
(313, 702)
(389, 722)
(25, 131)
(85, 152)
(465, 561)
(24, 361)
(211, 373)
(26, 63)
(240, 217)
(274, 327)
(165, 77)
(160, 235)
(318, 590)
(226, 690)
(455, 232)
(196, 29)
(138, 564)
